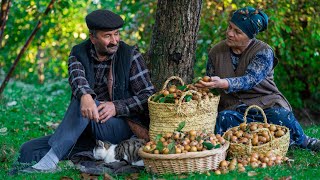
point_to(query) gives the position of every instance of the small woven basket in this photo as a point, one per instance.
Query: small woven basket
(279, 146)
(198, 115)
(184, 163)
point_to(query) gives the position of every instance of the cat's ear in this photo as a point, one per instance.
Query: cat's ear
(107, 144)
(99, 143)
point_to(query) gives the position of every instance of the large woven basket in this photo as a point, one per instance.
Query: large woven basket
(198, 115)
(184, 163)
(279, 146)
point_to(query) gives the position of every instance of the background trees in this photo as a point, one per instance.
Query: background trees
(293, 32)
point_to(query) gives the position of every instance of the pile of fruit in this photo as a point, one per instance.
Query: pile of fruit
(183, 142)
(254, 161)
(173, 93)
(257, 133)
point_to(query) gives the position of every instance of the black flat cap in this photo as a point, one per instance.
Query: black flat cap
(103, 20)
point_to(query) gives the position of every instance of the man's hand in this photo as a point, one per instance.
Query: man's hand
(216, 82)
(106, 111)
(89, 108)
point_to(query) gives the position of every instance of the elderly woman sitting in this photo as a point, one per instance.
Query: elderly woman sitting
(242, 67)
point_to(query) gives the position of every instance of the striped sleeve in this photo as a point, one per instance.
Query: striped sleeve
(77, 79)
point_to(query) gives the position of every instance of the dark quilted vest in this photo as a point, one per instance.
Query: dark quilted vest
(121, 67)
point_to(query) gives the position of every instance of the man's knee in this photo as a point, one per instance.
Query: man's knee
(116, 122)
(25, 152)
(33, 150)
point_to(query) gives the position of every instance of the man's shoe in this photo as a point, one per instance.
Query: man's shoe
(313, 144)
(34, 170)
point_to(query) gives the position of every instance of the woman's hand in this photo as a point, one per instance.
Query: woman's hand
(214, 83)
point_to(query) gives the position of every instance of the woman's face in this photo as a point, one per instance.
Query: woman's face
(235, 37)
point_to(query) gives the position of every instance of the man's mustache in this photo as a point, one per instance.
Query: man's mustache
(112, 45)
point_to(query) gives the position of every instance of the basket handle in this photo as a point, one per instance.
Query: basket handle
(172, 78)
(259, 130)
(257, 107)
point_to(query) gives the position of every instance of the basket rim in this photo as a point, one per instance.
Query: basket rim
(187, 155)
(270, 143)
(173, 104)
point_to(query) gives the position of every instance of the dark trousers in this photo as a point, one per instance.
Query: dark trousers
(277, 115)
(75, 134)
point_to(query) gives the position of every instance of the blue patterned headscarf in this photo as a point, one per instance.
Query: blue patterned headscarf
(250, 20)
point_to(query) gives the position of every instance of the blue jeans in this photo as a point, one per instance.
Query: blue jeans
(276, 115)
(74, 134)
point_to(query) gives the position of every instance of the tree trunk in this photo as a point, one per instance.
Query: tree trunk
(174, 40)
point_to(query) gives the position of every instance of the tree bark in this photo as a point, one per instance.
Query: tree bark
(174, 40)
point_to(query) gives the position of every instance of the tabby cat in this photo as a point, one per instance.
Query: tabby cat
(125, 150)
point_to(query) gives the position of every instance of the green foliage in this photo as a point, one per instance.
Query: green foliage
(293, 32)
(181, 126)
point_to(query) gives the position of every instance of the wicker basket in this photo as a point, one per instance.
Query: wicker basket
(279, 146)
(198, 115)
(184, 163)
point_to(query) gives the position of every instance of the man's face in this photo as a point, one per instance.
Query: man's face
(235, 37)
(106, 42)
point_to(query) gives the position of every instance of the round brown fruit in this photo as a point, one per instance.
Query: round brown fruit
(279, 133)
(223, 163)
(165, 93)
(172, 89)
(193, 133)
(206, 79)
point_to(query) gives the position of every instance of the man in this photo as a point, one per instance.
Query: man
(110, 84)
(242, 67)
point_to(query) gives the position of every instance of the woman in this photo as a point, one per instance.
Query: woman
(242, 67)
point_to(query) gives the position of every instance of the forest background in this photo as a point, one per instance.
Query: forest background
(35, 100)
(293, 32)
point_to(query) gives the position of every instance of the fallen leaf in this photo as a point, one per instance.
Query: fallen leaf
(55, 125)
(181, 176)
(65, 178)
(286, 178)
(3, 131)
(267, 178)
(133, 176)
(49, 123)
(12, 103)
(106, 176)
(252, 173)
(86, 176)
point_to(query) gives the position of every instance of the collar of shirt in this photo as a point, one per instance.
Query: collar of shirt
(95, 56)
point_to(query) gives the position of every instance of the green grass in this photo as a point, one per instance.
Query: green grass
(28, 111)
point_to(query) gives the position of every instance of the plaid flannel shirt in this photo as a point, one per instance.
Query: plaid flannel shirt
(140, 82)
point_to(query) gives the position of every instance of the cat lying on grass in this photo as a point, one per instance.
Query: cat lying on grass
(126, 150)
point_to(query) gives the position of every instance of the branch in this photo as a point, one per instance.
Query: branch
(39, 24)
(5, 6)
